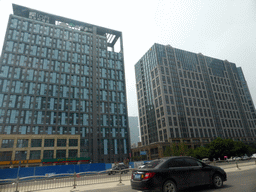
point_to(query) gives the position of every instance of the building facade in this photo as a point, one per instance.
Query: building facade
(64, 77)
(30, 150)
(183, 95)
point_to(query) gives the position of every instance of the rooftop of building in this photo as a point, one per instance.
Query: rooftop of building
(111, 35)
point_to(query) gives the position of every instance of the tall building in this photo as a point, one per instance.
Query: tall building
(191, 96)
(134, 131)
(59, 76)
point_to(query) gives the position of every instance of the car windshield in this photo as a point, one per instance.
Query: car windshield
(152, 164)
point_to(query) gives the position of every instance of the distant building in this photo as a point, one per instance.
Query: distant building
(192, 98)
(59, 77)
(134, 131)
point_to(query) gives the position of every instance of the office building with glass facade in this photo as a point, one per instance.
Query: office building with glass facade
(61, 76)
(189, 96)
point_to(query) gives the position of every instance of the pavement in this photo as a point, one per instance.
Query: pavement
(228, 169)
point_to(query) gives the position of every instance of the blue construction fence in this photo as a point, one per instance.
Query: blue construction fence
(13, 173)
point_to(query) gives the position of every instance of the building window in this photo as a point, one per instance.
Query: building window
(72, 153)
(6, 156)
(83, 152)
(210, 132)
(192, 133)
(49, 143)
(7, 143)
(201, 132)
(48, 154)
(61, 154)
(61, 142)
(36, 142)
(170, 121)
(73, 142)
(171, 133)
(177, 132)
(197, 133)
(35, 154)
(22, 143)
(175, 121)
(20, 155)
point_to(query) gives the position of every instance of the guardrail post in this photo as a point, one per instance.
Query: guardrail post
(74, 180)
(17, 184)
(120, 176)
(120, 180)
(237, 165)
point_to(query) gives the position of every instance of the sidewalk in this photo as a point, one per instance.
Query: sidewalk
(126, 183)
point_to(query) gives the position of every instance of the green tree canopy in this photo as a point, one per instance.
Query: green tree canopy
(226, 147)
(176, 150)
(201, 152)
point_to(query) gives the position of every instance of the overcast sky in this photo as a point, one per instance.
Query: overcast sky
(223, 29)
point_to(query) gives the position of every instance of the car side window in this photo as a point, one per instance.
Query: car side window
(176, 163)
(199, 163)
(191, 162)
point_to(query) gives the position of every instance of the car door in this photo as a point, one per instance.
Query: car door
(199, 175)
(179, 172)
(206, 172)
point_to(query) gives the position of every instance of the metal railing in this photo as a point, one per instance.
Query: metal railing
(233, 164)
(34, 183)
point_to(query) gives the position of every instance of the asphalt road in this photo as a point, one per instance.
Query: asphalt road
(239, 181)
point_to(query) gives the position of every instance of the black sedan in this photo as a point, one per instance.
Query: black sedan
(173, 173)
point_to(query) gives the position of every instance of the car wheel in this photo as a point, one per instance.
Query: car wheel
(217, 181)
(113, 172)
(169, 186)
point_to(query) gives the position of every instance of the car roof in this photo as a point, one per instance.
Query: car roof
(173, 157)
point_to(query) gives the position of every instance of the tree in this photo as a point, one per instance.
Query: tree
(229, 148)
(251, 149)
(183, 149)
(167, 151)
(176, 150)
(191, 152)
(218, 148)
(201, 152)
(240, 148)
(226, 147)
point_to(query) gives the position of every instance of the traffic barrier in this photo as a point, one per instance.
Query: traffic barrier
(53, 181)
(13, 173)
